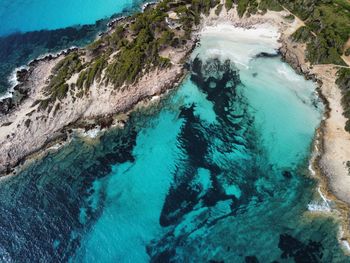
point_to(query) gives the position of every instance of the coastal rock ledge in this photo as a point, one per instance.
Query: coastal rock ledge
(30, 121)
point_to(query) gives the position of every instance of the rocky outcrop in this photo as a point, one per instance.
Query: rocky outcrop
(290, 57)
(45, 127)
(289, 52)
(6, 105)
(21, 90)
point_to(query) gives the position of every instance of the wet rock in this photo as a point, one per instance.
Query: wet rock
(300, 252)
(22, 75)
(6, 105)
(290, 58)
(27, 123)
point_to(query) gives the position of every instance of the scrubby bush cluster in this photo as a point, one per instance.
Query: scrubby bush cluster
(327, 28)
(57, 88)
(343, 81)
(151, 34)
(248, 7)
(326, 32)
(327, 24)
(62, 72)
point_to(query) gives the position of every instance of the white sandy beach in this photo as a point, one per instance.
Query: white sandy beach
(334, 174)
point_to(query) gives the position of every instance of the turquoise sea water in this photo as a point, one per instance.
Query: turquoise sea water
(33, 15)
(216, 172)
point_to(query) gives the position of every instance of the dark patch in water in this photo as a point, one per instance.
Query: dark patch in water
(195, 142)
(300, 252)
(251, 259)
(193, 137)
(267, 55)
(287, 174)
(164, 257)
(45, 208)
(219, 82)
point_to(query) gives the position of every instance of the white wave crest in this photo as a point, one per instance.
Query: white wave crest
(12, 79)
(92, 133)
(320, 206)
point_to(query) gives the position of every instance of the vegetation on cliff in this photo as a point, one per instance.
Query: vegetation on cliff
(130, 50)
(137, 44)
(134, 45)
(326, 30)
(343, 81)
(248, 7)
(61, 73)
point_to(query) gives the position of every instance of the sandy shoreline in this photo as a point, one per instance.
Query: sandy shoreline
(332, 144)
(331, 148)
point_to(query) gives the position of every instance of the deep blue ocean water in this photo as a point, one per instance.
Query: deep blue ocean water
(215, 172)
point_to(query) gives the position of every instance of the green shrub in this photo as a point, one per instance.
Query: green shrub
(329, 20)
(343, 82)
(290, 17)
(63, 71)
(273, 5)
(303, 34)
(164, 62)
(242, 7)
(166, 38)
(228, 4)
(43, 104)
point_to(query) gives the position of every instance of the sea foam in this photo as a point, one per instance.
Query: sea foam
(320, 206)
(12, 79)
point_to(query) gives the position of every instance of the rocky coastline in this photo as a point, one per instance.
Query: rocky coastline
(21, 119)
(171, 79)
(20, 90)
